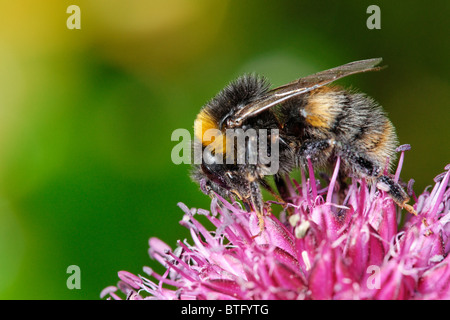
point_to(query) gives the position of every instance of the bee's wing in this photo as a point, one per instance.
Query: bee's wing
(301, 86)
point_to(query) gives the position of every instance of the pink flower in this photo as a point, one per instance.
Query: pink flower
(315, 250)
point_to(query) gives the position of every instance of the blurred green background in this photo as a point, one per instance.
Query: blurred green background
(86, 115)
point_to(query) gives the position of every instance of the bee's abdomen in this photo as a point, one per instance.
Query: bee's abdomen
(370, 129)
(351, 118)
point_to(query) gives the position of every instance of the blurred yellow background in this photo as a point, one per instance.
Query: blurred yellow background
(86, 115)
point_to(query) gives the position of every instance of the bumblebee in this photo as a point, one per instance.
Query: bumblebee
(315, 121)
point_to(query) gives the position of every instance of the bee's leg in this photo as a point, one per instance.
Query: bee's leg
(254, 202)
(315, 152)
(282, 188)
(280, 183)
(283, 198)
(396, 192)
(342, 180)
(315, 149)
(356, 161)
(247, 206)
(252, 175)
(365, 167)
(257, 203)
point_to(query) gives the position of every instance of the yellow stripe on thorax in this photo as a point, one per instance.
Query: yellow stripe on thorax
(319, 111)
(207, 131)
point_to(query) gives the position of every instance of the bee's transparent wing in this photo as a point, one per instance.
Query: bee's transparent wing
(301, 86)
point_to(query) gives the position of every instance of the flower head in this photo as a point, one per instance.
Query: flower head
(317, 249)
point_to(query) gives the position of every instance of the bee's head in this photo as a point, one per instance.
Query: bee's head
(213, 174)
(226, 181)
